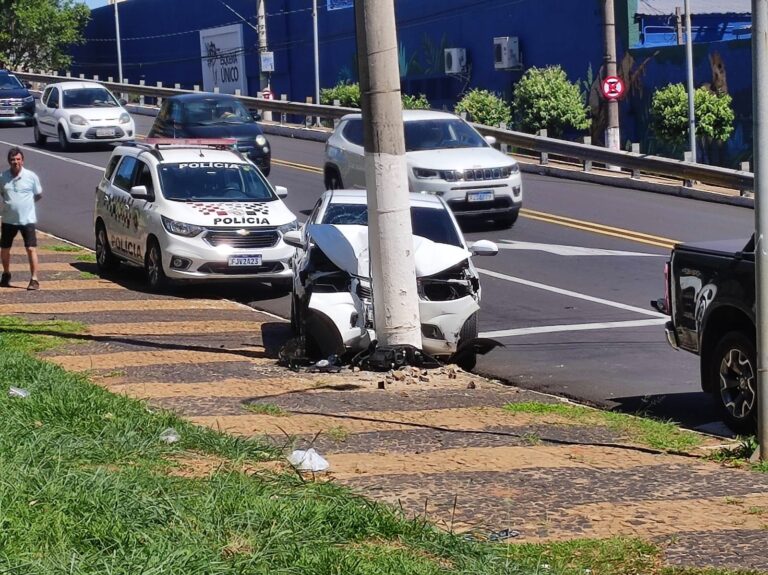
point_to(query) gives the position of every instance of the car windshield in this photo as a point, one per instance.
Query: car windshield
(433, 224)
(214, 182)
(89, 98)
(214, 111)
(423, 135)
(8, 82)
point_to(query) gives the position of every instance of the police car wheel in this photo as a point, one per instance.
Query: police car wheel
(105, 261)
(153, 265)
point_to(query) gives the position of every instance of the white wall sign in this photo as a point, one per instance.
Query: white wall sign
(223, 59)
(267, 61)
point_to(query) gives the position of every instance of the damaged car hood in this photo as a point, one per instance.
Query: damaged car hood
(347, 248)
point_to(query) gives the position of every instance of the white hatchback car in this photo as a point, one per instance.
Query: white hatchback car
(81, 113)
(191, 210)
(446, 156)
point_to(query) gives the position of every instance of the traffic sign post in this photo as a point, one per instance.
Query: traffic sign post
(612, 87)
(267, 94)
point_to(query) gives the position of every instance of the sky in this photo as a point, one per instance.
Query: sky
(95, 3)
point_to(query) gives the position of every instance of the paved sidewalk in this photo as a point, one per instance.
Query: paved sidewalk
(438, 444)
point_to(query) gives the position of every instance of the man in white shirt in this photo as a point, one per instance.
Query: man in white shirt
(20, 190)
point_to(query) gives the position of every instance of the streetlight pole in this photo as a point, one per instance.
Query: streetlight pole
(317, 52)
(117, 40)
(691, 90)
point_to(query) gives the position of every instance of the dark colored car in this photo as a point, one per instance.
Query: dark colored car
(209, 115)
(16, 103)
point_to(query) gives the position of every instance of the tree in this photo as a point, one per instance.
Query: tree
(484, 107)
(544, 98)
(35, 34)
(669, 114)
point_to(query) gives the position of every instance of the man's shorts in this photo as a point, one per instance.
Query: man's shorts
(8, 233)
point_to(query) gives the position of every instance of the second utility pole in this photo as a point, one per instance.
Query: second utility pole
(390, 236)
(612, 137)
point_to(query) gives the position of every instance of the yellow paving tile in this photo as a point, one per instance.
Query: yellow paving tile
(118, 305)
(225, 388)
(128, 359)
(180, 327)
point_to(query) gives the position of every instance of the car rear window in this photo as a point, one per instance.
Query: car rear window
(213, 182)
(433, 224)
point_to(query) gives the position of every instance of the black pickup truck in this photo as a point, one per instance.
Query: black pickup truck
(710, 297)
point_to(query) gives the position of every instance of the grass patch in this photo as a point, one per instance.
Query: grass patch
(87, 276)
(339, 434)
(88, 488)
(62, 248)
(650, 432)
(88, 258)
(740, 455)
(267, 409)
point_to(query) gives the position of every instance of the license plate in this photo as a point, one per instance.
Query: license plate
(486, 196)
(4, 111)
(105, 132)
(239, 261)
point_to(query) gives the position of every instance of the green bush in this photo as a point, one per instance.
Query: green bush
(347, 94)
(669, 114)
(419, 102)
(484, 107)
(544, 98)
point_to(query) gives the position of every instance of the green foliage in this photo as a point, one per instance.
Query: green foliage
(544, 98)
(37, 33)
(419, 102)
(669, 114)
(348, 95)
(484, 107)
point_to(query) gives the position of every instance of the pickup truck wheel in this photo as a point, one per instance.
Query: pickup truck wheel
(733, 366)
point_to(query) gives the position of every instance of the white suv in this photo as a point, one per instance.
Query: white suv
(446, 156)
(191, 210)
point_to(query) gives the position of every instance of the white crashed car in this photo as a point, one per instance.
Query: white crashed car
(191, 210)
(332, 298)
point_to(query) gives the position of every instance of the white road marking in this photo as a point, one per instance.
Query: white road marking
(572, 327)
(572, 294)
(49, 154)
(570, 250)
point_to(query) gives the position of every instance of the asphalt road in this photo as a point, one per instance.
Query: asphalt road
(569, 299)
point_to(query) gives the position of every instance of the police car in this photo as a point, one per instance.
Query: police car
(191, 210)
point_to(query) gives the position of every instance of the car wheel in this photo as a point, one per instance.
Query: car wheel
(333, 179)
(266, 171)
(63, 142)
(506, 222)
(468, 359)
(733, 368)
(40, 139)
(29, 123)
(153, 265)
(295, 315)
(106, 262)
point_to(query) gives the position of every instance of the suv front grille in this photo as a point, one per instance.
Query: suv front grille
(242, 237)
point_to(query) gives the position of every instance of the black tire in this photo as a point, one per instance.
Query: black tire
(733, 370)
(468, 332)
(506, 222)
(295, 315)
(153, 266)
(106, 262)
(333, 179)
(40, 139)
(64, 145)
(29, 123)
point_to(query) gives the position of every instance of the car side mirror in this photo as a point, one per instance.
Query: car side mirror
(141, 193)
(491, 140)
(123, 102)
(293, 239)
(255, 115)
(282, 192)
(484, 248)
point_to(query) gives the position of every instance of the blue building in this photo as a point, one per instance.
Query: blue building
(446, 47)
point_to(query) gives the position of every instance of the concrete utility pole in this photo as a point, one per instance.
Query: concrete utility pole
(612, 135)
(691, 89)
(760, 158)
(390, 236)
(261, 30)
(317, 53)
(117, 41)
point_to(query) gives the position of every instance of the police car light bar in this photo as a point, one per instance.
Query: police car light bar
(194, 142)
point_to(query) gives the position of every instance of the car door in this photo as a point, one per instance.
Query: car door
(124, 223)
(144, 217)
(352, 167)
(161, 121)
(46, 118)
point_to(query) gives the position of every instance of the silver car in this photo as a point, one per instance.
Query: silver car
(446, 156)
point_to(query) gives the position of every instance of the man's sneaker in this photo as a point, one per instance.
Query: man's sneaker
(5, 280)
(33, 285)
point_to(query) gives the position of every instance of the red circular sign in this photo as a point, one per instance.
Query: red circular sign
(612, 87)
(267, 94)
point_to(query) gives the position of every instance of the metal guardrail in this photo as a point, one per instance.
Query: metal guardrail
(586, 153)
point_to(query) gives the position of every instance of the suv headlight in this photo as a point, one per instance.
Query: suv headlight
(180, 228)
(77, 120)
(425, 174)
(289, 227)
(125, 118)
(261, 140)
